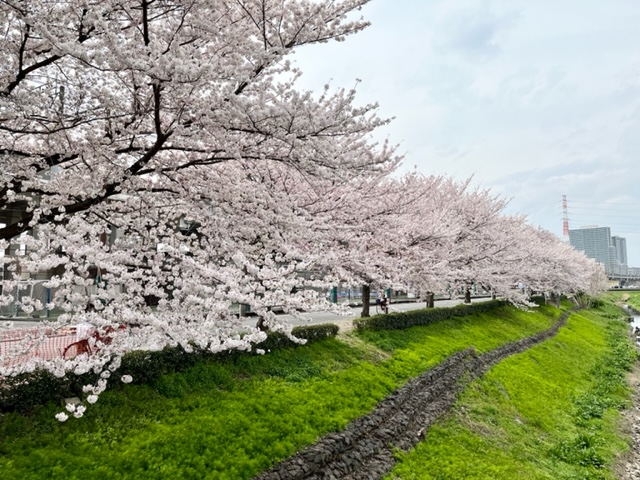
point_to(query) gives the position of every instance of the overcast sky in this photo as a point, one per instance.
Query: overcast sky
(534, 99)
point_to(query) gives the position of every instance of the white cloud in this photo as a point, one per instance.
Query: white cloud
(537, 99)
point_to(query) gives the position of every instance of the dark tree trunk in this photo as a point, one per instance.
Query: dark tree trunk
(430, 300)
(467, 295)
(260, 325)
(366, 295)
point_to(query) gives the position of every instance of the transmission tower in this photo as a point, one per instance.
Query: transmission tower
(565, 219)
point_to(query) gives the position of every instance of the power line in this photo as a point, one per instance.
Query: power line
(572, 202)
(614, 218)
(605, 209)
(605, 222)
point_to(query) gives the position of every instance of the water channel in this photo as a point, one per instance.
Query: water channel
(635, 323)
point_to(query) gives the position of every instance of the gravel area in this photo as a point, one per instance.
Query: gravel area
(630, 463)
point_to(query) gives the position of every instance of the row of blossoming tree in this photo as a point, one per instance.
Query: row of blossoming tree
(162, 146)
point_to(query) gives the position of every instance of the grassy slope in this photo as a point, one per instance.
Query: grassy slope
(629, 296)
(633, 298)
(549, 413)
(231, 420)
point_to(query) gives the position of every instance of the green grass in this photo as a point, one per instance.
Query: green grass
(634, 299)
(548, 413)
(628, 296)
(231, 420)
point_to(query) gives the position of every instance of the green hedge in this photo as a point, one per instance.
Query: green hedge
(311, 333)
(400, 320)
(27, 391)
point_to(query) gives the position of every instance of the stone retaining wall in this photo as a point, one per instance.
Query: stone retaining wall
(364, 449)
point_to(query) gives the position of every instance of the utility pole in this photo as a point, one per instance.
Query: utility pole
(61, 97)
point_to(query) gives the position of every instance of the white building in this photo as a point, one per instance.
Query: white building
(597, 243)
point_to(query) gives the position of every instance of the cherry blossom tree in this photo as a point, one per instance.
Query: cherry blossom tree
(144, 145)
(480, 245)
(556, 268)
(460, 257)
(374, 225)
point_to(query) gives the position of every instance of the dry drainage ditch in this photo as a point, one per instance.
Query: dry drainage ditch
(364, 449)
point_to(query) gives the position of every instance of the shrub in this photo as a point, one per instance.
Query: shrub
(401, 320)
(310, 333)
(538, 299)
(590, 405)
(26, 391)
(581, 450)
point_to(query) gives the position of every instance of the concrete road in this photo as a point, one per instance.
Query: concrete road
(314, 318)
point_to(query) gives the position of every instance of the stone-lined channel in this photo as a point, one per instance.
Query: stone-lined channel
(364, 449)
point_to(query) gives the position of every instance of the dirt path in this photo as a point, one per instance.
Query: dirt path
(364, 449)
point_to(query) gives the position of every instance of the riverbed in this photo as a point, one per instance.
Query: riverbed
(630, 468)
